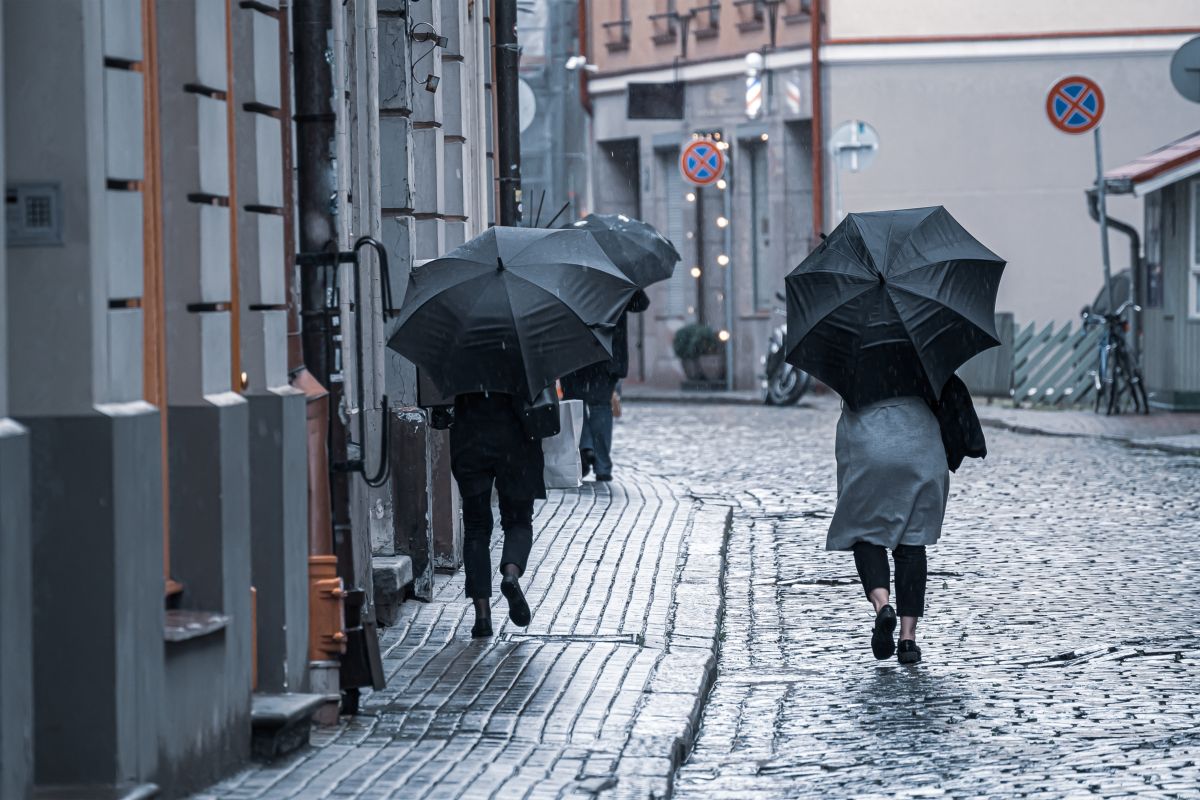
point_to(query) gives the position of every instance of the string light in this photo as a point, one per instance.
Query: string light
(723, 336)
(722, 222)
(695, 272)
(721, 184)
(691, 197)
(764, 137)
(723, 260)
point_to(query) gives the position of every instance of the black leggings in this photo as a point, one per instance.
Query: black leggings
(516, 519)
(911, 573)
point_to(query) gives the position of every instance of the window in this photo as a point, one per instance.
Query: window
(750, 15)
(1153, 292)
(666, 22)
(707, 19)
(670, 193)
(1194, 260)
(796, 11)
(760, 236)
(616, 31)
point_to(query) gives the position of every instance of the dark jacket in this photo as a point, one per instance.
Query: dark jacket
(618, 367)
(962, 435)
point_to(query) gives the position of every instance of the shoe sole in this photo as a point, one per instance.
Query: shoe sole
(518, 606)
(884, 627)
(908, 658)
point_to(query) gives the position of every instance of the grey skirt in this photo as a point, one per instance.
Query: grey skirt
(892, 476)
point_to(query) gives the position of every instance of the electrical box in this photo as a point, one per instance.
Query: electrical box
(33, 215)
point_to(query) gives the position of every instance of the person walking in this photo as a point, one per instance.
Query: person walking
(893, 481)
(595, 385)
(489, 446)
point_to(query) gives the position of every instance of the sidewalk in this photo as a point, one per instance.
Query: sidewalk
(602, 693)
(1160, 430)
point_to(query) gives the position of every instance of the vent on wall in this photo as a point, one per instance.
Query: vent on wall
(33, 214)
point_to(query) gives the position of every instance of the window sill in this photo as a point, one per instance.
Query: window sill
(797, 19)
(181, 626)
(708, 33)
(750, 26)
(664, 38)
(615, 47)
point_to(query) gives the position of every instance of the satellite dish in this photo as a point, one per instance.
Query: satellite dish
(854, 145)
(528, 104)
(1185, 70)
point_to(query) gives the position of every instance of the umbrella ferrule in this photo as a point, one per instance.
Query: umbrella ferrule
(499, 264)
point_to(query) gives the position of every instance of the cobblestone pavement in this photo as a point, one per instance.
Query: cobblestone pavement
(1062, 648)
(602, 691)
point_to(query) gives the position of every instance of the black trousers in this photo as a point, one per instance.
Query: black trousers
(911, 574)
(516, 519)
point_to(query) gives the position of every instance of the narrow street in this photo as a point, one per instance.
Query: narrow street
(1060, 647)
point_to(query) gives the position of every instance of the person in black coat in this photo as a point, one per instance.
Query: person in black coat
(489, 446)
(594, 385)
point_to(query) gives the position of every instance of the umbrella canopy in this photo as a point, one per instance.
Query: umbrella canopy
(511, 311)
(891, 304)
(642, 253)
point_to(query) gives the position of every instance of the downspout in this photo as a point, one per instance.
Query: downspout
(508, 152)
(818, 122)
(585, 93)
(1135, 265)
(314, 123)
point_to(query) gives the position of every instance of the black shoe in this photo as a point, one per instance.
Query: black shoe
(586, 459)
(518, 608)
(482, 629)
(604, 478)
(882, 644)
(909, 652)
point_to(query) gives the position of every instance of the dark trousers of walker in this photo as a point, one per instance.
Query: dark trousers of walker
(911, 574)
(516, 520)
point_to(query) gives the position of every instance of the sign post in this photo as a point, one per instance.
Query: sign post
(1075, 105)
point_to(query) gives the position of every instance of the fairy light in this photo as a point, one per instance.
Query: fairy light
(764, 137)
(691, 197)
(695, 272)
(721, 184)
(722, 222)
(723, 336)
(723, 260)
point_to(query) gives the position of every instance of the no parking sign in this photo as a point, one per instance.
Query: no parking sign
(1075, 104)
(702, 162)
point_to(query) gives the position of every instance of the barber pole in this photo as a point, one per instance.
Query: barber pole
(754, 96)
(793, 97)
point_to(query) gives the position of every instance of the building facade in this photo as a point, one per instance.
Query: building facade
(956, 93)
(163, 452)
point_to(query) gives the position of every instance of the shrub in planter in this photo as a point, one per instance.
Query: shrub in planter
(695, 345)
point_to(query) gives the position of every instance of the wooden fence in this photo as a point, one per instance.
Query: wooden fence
(1053, 368)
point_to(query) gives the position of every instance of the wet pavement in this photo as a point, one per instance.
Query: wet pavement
(1062, 647)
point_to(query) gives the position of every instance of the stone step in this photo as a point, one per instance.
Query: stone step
(280, 723)
(392, 576)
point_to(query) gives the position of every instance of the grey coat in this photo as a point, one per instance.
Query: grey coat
(892, 476)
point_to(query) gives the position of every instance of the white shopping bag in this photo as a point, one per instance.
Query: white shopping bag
(561, 452)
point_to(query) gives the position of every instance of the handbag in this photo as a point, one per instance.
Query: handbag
(540, 419)
(561, 452)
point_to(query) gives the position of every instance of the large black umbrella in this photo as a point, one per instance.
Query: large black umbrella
(512, 310)
(891, 304)
(642, 253)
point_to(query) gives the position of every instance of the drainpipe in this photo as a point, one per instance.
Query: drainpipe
(508, 113)
(314, 122)
(818, 122)
(1135, 265)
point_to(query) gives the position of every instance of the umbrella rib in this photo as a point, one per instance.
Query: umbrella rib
(953, 311)
(937, 390)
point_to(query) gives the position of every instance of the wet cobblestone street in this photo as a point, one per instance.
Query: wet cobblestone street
(1061, 643)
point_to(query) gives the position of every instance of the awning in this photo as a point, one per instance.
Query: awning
(1170, 163)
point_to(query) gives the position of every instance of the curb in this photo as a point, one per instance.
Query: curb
(668, 717)
(1160, 445)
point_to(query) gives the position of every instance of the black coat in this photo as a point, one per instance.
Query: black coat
(488, 444)
(962, 435)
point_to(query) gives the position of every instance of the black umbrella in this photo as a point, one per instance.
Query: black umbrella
(511, 311)
(891, 304)
(642, 253)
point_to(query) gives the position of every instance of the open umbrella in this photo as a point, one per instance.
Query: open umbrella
(642, 253)
(891, 304)
(511, 310)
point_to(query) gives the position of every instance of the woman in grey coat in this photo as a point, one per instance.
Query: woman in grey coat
(893, 480)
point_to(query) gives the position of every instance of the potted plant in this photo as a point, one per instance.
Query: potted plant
(699, 351)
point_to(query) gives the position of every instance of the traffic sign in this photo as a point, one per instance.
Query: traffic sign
(1185, 70)
(702, 162)
(854, 145)
(1075, 104)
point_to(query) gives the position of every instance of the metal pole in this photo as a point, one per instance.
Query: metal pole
(1100, 195)
(508, 113)
(728, 248)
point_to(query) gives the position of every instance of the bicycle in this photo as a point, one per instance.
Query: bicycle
(1117, 381)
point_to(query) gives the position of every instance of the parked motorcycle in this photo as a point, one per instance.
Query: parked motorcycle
(783, 384)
